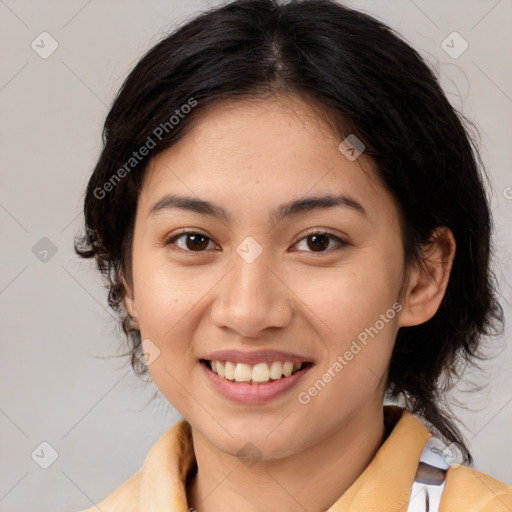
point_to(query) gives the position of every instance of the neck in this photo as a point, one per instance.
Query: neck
(312, 479)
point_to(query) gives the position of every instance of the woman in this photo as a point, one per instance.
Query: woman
(293, 225)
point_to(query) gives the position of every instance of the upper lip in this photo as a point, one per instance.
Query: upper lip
(256, 356)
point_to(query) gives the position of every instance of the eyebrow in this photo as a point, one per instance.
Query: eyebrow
(286, 210)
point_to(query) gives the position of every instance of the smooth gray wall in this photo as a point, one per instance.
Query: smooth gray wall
(53, 314)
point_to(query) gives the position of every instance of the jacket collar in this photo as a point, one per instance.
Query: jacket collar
(384, 485)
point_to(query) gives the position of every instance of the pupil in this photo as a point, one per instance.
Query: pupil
(198, 242)
(317, 241)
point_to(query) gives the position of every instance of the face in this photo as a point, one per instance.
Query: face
(260, 275)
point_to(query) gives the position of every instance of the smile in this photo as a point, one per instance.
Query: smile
(258, 373)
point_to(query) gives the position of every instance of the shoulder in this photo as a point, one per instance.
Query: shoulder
(123, 499)
(466, 486)
(440, 484)
(160, 482)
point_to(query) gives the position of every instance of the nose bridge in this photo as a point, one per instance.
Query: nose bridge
(251, 298)
(251, 278)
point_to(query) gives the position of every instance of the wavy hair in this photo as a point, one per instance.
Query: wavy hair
(369, 82)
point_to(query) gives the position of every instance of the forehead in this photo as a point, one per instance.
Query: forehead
(255, 152)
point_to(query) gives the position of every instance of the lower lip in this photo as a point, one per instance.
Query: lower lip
(253, 393)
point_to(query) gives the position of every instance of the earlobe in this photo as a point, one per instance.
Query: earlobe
(428, 281)
(130, 304)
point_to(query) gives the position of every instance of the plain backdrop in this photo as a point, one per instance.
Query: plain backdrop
(56, 388)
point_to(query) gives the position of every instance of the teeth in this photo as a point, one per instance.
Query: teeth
(260, 372)
(287, 368)
(276, 370)
(241, 372)
(229, 369)
(219, 368)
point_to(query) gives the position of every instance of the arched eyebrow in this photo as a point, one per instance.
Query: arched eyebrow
(286, 210)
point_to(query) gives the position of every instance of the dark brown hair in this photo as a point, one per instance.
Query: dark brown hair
(375, 86)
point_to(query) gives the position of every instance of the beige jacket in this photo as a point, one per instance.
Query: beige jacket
(384, 486)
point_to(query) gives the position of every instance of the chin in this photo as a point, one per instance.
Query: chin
(254, 443)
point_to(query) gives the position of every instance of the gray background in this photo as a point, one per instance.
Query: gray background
(54, 323)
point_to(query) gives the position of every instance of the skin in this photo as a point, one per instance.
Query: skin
(249, 157)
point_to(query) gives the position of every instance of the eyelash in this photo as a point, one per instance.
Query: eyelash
(342, 243)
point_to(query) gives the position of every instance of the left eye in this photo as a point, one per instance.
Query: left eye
(194, 242)
(320, 242)
(197, 242)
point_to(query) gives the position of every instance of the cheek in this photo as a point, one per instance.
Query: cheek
(159, 305)
(352, 297)
(170, 304)
(357, 304)
(167, 305)
(164, 294)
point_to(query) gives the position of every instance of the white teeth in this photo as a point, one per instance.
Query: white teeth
(229, 370)
(219, 368)
(259, 373)
(287, 368)
(243, 372)
(276, 370)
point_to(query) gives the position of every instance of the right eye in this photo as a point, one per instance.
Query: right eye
(191, 241)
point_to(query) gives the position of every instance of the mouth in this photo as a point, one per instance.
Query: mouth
(263, 372)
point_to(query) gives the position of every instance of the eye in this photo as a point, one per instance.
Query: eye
(191, 241)
(320, 241)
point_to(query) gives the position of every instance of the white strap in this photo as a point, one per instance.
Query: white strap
(427, 497)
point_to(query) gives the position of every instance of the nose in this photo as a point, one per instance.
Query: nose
(252, 299)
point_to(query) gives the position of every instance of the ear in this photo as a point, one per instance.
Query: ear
(428, 281)
(130, 304)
